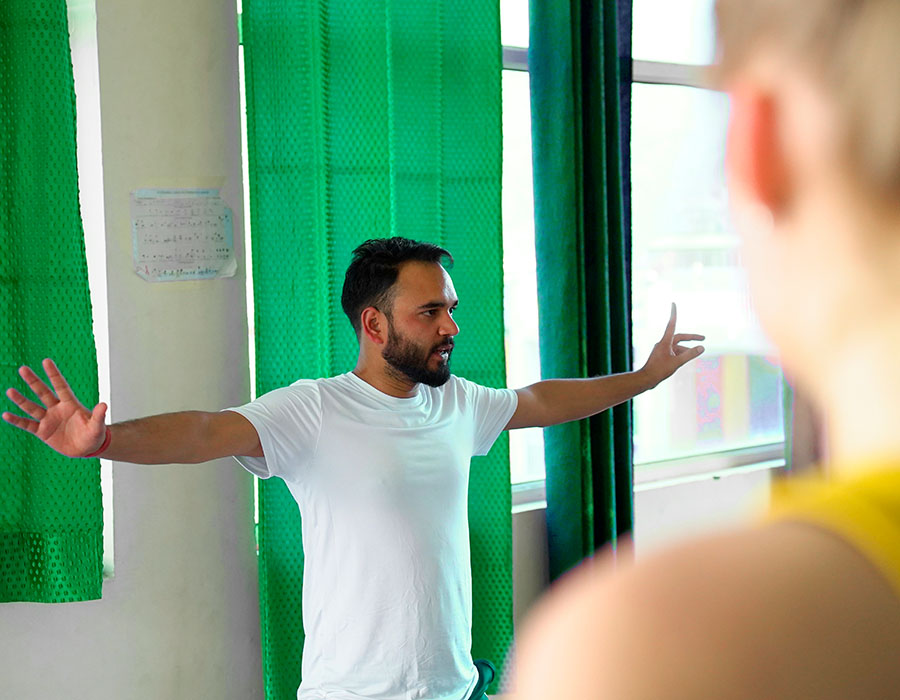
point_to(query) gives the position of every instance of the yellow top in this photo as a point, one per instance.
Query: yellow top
(864, 510)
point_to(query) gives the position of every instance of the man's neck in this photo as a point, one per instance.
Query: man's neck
(390, 383)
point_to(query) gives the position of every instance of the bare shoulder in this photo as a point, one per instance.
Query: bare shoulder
(783, 611)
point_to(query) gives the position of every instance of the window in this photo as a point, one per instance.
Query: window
(523, 367)
(86, 72)
(725, 409)
(248, 245)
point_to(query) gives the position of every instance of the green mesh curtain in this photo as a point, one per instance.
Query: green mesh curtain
(582, 253)
(51, 522)
(365, 120)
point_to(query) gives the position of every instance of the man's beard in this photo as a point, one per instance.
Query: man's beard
(411, 360)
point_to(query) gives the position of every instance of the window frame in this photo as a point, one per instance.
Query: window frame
(682, 469)
(529, 494)
(713, 464)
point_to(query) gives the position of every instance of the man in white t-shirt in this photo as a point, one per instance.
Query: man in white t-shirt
(378, 462)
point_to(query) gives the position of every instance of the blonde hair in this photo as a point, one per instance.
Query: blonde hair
(852, 47)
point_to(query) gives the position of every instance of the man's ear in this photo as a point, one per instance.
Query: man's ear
(374, 325)
(755, 156)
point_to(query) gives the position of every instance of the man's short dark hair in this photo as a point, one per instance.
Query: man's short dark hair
(374, 270)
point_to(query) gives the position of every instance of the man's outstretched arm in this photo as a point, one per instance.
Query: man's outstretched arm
(554, 401)
(60, 420)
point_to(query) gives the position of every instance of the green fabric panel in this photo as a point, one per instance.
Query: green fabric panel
(51, 519)
(471, 229)
(585, 325)
(370, 120)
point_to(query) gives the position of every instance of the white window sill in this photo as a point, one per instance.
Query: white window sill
(532, 495)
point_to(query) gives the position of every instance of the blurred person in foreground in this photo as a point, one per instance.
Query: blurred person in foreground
(806, 602)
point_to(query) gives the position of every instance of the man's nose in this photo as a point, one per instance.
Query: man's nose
(449, 327)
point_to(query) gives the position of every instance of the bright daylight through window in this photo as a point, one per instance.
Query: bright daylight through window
(526, 447)
(685, 250)
(86, 75)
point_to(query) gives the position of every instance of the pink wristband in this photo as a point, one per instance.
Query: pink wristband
(103, 446)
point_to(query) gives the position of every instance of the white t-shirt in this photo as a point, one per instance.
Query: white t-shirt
(382, 485)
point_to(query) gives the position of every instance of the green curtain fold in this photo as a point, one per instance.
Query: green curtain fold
(369, 120)
(51, 520)
(582, 265)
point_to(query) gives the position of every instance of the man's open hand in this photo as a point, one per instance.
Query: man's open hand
(62, 421)
(668, 354)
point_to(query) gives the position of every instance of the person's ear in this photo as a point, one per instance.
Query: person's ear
(374, 325)
(755, 156)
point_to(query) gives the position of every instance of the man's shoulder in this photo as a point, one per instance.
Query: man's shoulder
(459, 383)
(301, 390)
(473, 389)
(457, 387)
(307, 384)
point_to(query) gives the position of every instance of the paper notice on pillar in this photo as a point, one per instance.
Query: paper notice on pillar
(181, 234)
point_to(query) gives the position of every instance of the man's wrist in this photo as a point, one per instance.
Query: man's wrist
(103, 447)
(646, 381)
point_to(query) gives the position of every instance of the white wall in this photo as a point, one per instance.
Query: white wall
(531, 566)
(667, 515)
(180, 618)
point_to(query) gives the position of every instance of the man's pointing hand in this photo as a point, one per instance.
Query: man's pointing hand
(668, 354)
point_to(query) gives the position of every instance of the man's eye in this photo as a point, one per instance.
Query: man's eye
(452, 310)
